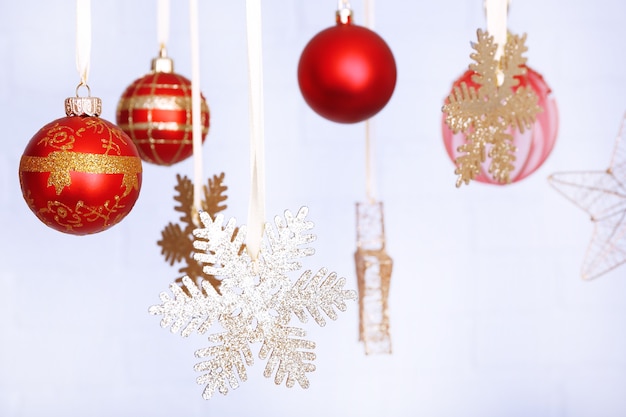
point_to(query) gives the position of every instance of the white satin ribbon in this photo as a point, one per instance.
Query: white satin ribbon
(369, 14)
(83, 39)
(163, 22)
(497, 11)
(369, 123)
(341, 4)
(196, 110)
(256, 208)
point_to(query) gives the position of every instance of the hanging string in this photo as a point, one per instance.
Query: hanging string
(620, 137)
(369, 14)
(256, 208)
(196, 114)
(496, 11)
(343, 4)
(369, 187)
(83, 39)
(163, 23)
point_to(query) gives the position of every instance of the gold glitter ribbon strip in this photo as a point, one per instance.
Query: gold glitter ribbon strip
(59, 165)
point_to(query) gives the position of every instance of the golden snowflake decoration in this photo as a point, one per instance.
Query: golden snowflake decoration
(256, 302)
(488, 115)
(602, 194)
(177, 242)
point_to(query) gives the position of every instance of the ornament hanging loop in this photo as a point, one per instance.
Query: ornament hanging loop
(83, 84)
(83, 106)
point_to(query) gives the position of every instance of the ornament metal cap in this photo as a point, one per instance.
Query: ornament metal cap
(83, 106)
(162, 63)
(344, 16)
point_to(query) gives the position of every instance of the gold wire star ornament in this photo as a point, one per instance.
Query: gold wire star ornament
(602, 194)
(489, 114)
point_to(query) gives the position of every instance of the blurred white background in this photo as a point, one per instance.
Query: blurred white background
(489, 315)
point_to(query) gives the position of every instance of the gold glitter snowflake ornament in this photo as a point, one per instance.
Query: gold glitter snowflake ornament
(488, 115)
(177, 242)
(255, 303)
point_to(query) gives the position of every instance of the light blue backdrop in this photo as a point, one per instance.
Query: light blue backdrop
(489, 316)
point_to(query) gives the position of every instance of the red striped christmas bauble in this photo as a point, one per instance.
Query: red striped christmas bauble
(155, 111)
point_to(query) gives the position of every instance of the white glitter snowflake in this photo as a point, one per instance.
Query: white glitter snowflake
(255, 302)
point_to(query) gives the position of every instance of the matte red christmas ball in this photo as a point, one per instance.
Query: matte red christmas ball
(533, 146)
(155, 111)
(80, 174)
(347, 73)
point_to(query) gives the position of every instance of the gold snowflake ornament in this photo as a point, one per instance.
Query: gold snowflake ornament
(602, 194)
(176, 241)
(256, 302)
(489, 114)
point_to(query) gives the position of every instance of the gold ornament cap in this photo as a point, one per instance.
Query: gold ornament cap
(162, 63)
(83, 106)
(344, 16)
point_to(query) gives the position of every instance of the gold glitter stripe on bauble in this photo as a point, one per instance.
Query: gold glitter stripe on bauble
(154, 141)
(164, 126)
(59, 165)
(155, 102)
(160, 102)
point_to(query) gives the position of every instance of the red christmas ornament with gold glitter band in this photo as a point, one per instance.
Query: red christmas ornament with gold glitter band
(347, 73)
(155, 111)
(80, 174)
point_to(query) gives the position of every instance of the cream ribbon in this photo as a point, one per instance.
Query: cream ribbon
(497, 11)
(83, 39)
(369, 148)
(343, 4)
(163, 22)
(256, 208)
(368, 5)
(196, 111)
(369, 152)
